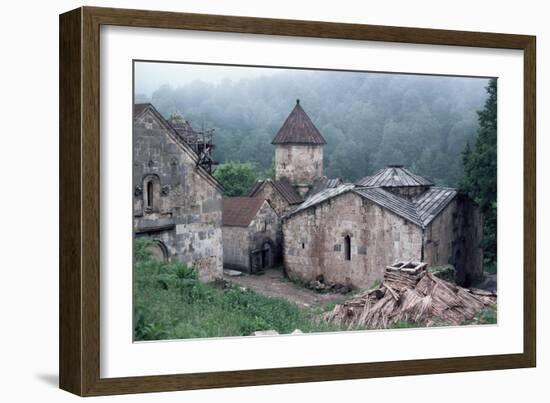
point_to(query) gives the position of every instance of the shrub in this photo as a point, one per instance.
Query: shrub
(171, 303)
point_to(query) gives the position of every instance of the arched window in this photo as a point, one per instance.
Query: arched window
(347, 247)
(151, 193)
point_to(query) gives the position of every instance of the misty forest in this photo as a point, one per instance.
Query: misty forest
(369, 120)
(440, 127)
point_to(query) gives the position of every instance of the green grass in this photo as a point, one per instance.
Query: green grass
(171, 303)
(486, 317)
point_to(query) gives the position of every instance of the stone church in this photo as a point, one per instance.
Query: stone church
(348, 233)
(177, 203)
(250, 234)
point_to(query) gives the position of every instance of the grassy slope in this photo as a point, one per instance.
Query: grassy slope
(170, 303)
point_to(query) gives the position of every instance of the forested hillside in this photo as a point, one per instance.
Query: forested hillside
(367, 119)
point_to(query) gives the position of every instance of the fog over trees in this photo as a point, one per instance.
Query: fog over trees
(369, 120)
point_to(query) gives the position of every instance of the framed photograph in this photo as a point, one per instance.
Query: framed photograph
(249, 201)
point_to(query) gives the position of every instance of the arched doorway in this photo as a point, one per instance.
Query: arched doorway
(263, 257)
(158, 251)
(267, 255)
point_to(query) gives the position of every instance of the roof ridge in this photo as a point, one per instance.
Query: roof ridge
(394, 176)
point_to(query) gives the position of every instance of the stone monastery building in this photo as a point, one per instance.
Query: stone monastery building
(348, 233)
(313, 225)
(177, 202)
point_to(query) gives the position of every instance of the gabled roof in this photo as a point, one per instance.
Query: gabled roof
(421, 210)
(139, 109)
(283, 187)
(394, 176)
(320, 197)
(240, 211)
(398, 205)
(322, 183)
(430, 203)
(298, 129)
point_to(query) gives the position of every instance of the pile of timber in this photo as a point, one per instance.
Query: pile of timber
(410, 293)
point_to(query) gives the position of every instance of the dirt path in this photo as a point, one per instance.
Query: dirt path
(273, 284)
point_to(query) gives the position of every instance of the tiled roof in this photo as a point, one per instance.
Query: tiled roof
(283, 187)
(394, 176)
(298, 129)
(240, 211)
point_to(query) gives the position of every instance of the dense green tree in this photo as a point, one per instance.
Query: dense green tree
(480, 171)
(236, 178)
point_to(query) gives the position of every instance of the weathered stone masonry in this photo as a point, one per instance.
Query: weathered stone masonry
(314, 241)
(250, 241)
(176, 203)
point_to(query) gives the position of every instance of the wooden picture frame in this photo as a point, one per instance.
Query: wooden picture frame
(79, 200)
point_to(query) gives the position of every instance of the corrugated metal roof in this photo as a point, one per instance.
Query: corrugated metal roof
(323, 183)
(240, 211)
(394, 176)
(430, 203)
(321, 196)
(398, 205)
(420, 210)
(298, 129)
(283, 187)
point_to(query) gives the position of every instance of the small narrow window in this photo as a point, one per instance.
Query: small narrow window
(303, 245)
(150, 194)
(347, 247)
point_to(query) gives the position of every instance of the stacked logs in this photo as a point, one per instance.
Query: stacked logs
(410, 293)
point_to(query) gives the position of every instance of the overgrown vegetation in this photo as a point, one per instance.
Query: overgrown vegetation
(171, 303)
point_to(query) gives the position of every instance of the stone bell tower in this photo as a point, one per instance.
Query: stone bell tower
(298, 150)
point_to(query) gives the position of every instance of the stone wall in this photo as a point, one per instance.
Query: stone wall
(454, 237)
(236, 248)
(266, 227)
(314, 241)
(186, 209)
(301, 164)
(269, 193)
(239, 243)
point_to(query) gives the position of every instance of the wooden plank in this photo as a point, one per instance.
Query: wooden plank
(70, 210)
